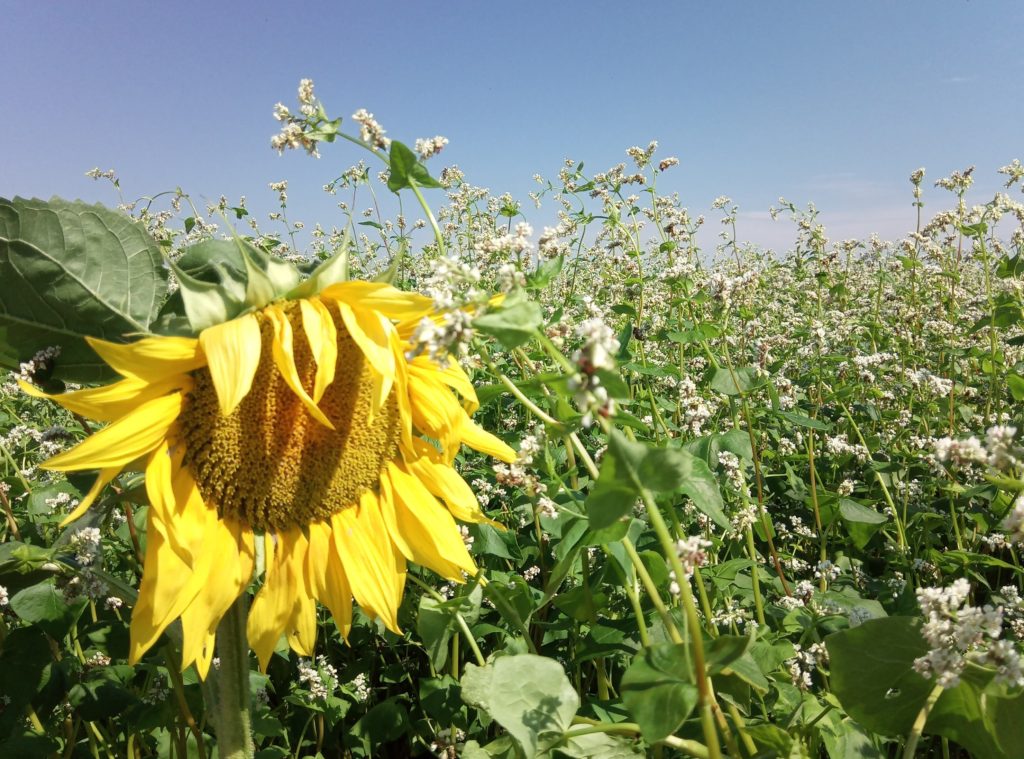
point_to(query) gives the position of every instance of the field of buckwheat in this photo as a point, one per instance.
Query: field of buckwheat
(708, 502)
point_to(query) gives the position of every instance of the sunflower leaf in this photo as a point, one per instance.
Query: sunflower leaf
(70, 270)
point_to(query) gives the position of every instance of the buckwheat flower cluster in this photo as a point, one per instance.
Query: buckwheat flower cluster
(360, 687)
(840, 445)
(954, 629)
(4, 599)
(549, 244)
(96, 174)
(804, 662)
(1013, 610)
(1013, 524)
(451, 334)
(958, 182)
(509, 276)
(858, 615)
(1014, 170)
(98, 659)
(547, 507)
(692, 554)
(516, 475)
(370, 131)
(85, 544)
(61, 502)
(517, 241)
(826, 570)
(319, 676)
(743, 519)
(452, 285)
(726, 289)
(642, 156)
(733, 469)
(960, 452)
(804, 591)
(696, 409)
(597, 353)
(667, 163)
(431, 146)
(295, 128)
(1003, 453)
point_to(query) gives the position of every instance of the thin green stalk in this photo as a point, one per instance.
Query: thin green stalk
(878, 477)
(652, 591)
(466, 632)
(910, 748)
(704, 696)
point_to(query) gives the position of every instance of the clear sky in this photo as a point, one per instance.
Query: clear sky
(830, 102)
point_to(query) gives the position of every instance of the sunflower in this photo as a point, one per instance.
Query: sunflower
(303, 428)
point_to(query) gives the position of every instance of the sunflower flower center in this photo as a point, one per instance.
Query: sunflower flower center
(270, 464)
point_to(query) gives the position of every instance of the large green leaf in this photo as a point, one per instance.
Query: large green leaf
(631, 467)
(70, 270)
(528, 695)
(406, 170)
(658, 689)
(513, 322)
(872, 669)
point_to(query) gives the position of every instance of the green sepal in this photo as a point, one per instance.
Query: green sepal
(334, 269)
(388, 275)
(207, 303)
(266, 277)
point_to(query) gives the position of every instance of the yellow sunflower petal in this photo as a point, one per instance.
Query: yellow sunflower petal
(123, 441)
(193, 539)
(475, 436)
(373, 336)
(301, 627)
(284, 359)
(452, 375)
(151, 358)
(323, 342)
(388, 513)
(445, 483)
(234, 559)
(233, 353)
(402, 391)
(434, 409)
(426, 526)
(377, 296)
(110, 402)
(375, 574)
(164, 575)
(273, 610)
(105, 476)
(327, 580)
(188, 514)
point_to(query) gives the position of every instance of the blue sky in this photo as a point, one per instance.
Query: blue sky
(834, 103)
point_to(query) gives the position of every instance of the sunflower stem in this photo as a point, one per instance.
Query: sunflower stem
(232, 707)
